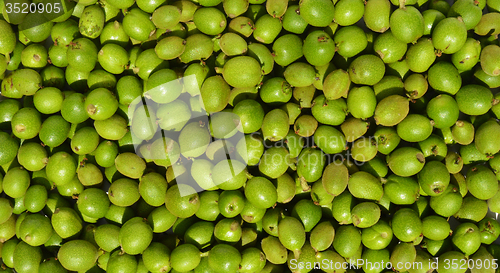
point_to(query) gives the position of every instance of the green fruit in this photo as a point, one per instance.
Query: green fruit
(474, 99)
(201, 234)
(135, 236)
(406, 225)
(434, 178)
(34, 56)
(228, 231)
(407, 24)
(365, 186)
(137, 24)
(7, 37)
(367, 70)
(285, 187)
(444, 78)
(236, 78)
(9, 148)
(113, 58)
(388, 47)
(467, 238)
(185, 257)
(291, 234)
(6, 209)
(157, 257)
(365, 214)
(224, 258)
(322, 236)
(261, 53)
(452, 256)
(406, 161)
(66, 222)
(48, 100)
(335, 85)
(403, 255)
(123, 192)
(308, 213)
(35, 198)
(130, 165)
(252, 260)
(21, 82)
(401, 190)
(489, 60)
(415, 128)
(8, 228)
(489, 229)
(377, 14)
(299, 74)
(93, 203)
(347, 240)
(26, 258)
(166, 17)
(317, 13)
(121, 261)
(318, 48)
(391, 110)
(35, 229)
(182, 201)
(16, 182)
(355, 128)
(292, 21)
(482, 256)
(472, 209)
(443, 110)
(348, 12)
(431, 18)
(449, 35)
(481, 182)
(26, 123)
(163, 86)
(9, 107)
(160, 219)
(209, 20)
(198, 47)
(335, 178)
(261, 192)
(275, 252)
(435, 228)
(77, 255)
(275, 125)
(483, 140)
(310, 164)
(91, 22)
(377, 236)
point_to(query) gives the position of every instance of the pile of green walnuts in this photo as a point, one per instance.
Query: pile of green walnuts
(247, 136)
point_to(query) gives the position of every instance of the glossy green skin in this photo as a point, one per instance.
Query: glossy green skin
(141, 31)
(366, 186)
(474, 99)
(377, 14)
(91, 23)
(367, 70)
(350, 41)
(406, 161)
(406, 225)
(446, 42)
(413, 26)
(444, 78)
(287, 49)
(414, 128)
(347, 240)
